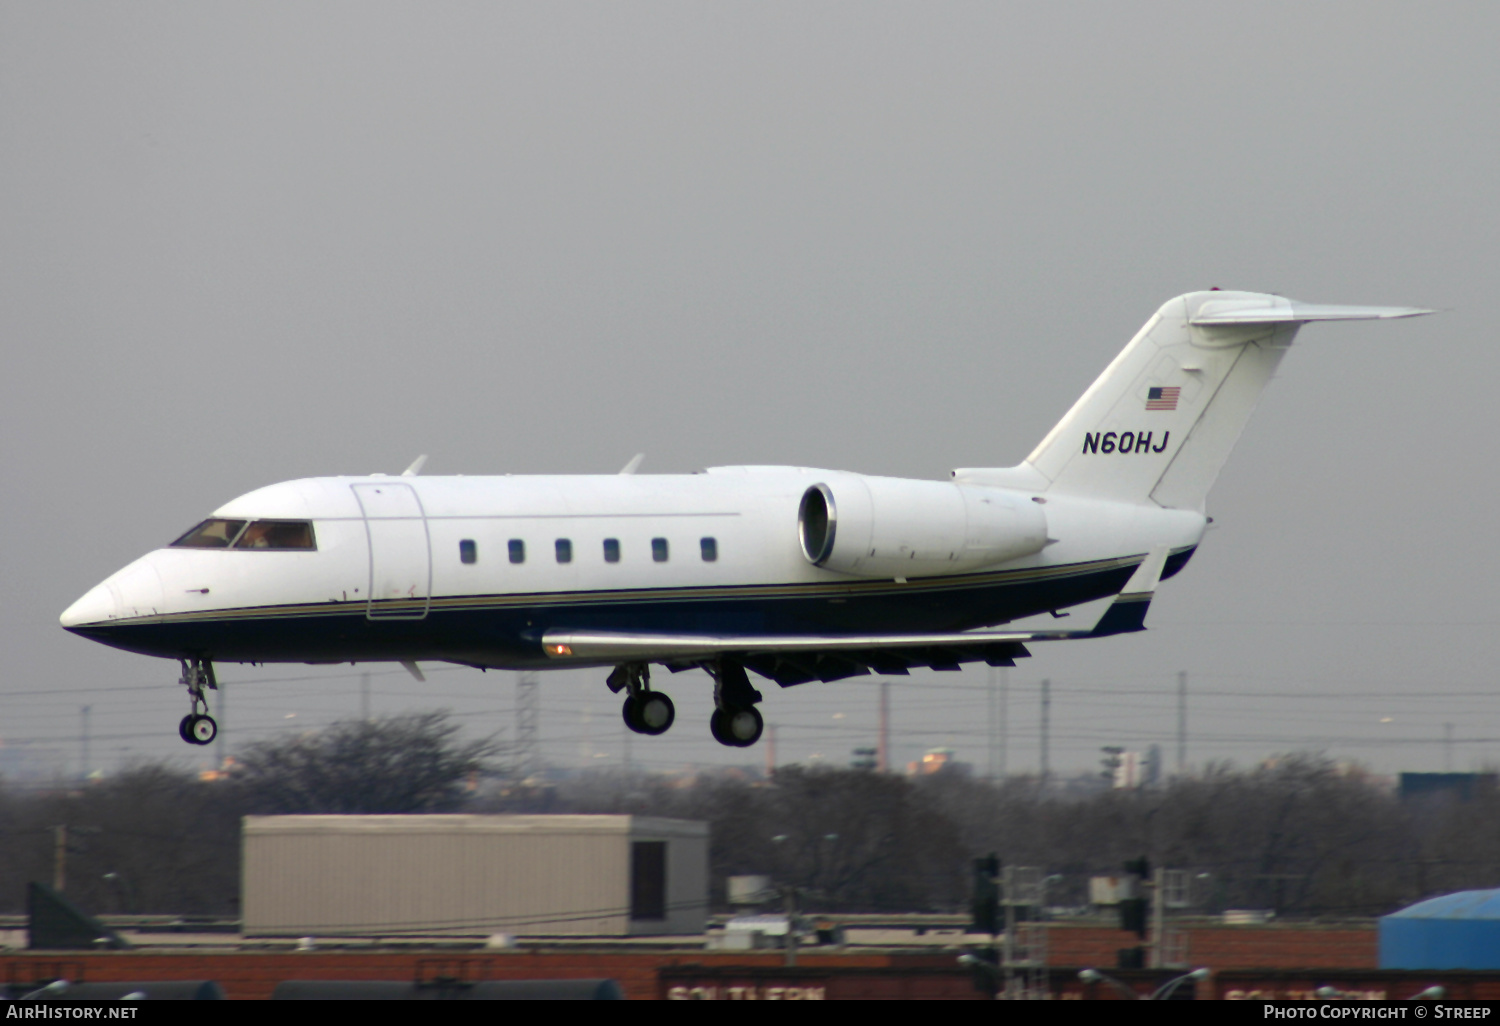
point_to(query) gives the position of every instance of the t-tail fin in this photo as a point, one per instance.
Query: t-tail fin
(1160, 421)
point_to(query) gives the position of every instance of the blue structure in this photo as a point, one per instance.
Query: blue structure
(1455, 931)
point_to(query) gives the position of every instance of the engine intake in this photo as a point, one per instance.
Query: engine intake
(817, 524)
(892, 527)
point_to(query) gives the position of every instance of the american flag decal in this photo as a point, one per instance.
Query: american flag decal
(1162, 398)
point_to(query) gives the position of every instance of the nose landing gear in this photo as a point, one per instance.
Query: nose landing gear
(197, 727)
(645, 711)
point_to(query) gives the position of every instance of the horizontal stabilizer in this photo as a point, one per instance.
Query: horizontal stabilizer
(1276, 310)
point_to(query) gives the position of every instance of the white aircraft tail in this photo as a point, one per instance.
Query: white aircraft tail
(1160, 421)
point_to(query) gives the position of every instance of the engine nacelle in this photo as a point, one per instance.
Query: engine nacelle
(891, 527)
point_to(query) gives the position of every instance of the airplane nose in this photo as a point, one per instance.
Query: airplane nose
(134, 591)
(97, 605)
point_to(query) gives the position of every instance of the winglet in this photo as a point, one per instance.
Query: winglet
(416, 466)
(1127, 612)
(633, 465)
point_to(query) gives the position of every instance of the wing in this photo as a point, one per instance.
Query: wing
(799, 658)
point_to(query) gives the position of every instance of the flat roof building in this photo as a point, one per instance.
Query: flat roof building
(473, 875)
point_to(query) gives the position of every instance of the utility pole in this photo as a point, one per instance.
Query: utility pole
(789, 899)
(364, 697)
(1046, 730)
(1158, 917)
(770, 752)
(83, 743)
(883, 744)
(1181, 722)
(1447, 748)
(528, 716)
(59, 857)
(626, 749)
(990, 721)
(1004, 721)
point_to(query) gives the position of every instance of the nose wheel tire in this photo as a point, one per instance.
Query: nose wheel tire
(650, 713)
(198, 729)
(737, 728)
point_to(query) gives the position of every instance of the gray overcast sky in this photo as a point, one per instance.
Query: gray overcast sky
(243, 243)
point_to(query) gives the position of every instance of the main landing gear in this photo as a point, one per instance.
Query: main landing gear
(197, 727)
(735, 722)
(646, 711)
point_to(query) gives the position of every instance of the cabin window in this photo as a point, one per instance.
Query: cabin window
(276, 534)
(611, 550)
(564, 550)
(659, 549)
(710, 549)
(468, 552)
(517, 550)
(211, 534)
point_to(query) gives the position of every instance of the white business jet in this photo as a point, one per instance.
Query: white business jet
(792, 573)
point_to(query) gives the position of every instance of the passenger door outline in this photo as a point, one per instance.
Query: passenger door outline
(400, 551)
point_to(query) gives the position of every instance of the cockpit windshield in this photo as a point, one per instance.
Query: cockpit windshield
(259, 534)
(277, 534)
(211, 534)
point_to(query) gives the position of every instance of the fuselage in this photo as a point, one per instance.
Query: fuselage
(474, 570)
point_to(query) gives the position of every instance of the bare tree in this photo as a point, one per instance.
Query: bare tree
(397, 764)
(152, 839)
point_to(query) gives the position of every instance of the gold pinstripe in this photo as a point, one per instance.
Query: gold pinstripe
(883, 586)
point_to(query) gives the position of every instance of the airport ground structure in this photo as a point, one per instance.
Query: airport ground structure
(1284, 868)
(1251, 962)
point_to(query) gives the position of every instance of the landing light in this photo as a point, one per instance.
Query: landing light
(561, 650)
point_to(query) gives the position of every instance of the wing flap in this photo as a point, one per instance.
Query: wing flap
(800, 658)
(630, 646)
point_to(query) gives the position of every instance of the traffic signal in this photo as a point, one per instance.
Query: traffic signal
(984, 901)
(1135, 912)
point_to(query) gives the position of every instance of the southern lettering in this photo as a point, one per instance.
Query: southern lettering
(1124, 441)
